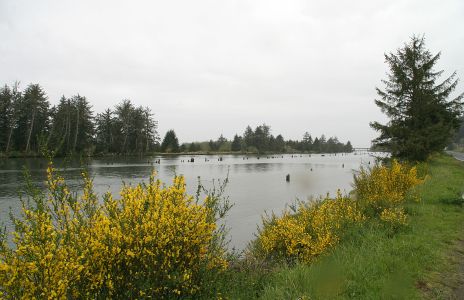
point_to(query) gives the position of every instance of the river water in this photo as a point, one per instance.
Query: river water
(257, 184)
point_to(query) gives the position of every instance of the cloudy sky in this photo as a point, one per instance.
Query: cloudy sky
(212, 67)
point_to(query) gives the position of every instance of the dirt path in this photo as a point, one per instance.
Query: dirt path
(458, 292)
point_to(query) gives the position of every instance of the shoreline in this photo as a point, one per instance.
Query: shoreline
(154, 154)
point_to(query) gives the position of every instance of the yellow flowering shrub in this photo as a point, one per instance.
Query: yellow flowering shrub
(383, 187)
(310, 231)
(152, 242)
(315, 227)
(394, 217)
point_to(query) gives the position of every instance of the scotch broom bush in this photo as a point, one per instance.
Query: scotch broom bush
(154, 241)
(310, 231)
(315, 227)
(385, 187)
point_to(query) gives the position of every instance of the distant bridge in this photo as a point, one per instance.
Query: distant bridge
(360, 149)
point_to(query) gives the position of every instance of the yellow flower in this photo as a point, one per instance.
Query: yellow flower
(153, 240)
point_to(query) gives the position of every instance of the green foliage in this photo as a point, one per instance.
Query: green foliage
(29, 125)
(236, 143)
(72, 127)
(170, 142)
(261, 141)
(33, 119)
(9, 114)
(422, 118)
(132, 129)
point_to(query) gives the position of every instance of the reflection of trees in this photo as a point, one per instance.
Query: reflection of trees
(255, 167)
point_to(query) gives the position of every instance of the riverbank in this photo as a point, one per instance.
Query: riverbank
(422, 261)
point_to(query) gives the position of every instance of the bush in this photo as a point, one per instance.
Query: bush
(310, 231)
(382, 187)
(394, 218)
(317, 226)
(154, 241)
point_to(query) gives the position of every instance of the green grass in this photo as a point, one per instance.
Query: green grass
(420, 261)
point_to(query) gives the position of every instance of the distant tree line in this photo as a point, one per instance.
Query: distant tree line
(260, 140)
(29, 124)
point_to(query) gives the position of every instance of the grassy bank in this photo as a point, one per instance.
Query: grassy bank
(371, 262)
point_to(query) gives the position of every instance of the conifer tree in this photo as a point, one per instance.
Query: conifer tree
(34, 118)
(422, 117)
(170, 142)
(236, 143)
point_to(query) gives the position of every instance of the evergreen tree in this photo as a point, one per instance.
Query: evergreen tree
(279, 144)
(348, 147)
(105, 126)
(124, 114)
(261, 138)
(221, 141)
(193, 147)
(422, 118)
(307, 142)
(316, 145)
(83, 124)
(9, 101)
(236, 143)
(322, 144)
(33, 119)
(72, 126)
(150, 132)
(59, 136)
(212, 145)
(170, 142)
(248, 137)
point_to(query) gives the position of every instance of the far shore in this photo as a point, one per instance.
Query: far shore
(148, 154)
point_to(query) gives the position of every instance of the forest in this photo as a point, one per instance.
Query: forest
(260, 140)
(30, 125)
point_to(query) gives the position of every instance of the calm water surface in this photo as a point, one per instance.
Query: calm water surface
(256, 184)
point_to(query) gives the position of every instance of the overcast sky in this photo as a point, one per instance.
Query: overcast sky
(212, 67)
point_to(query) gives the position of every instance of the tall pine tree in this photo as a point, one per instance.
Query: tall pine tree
(33, 121)
(422, 117)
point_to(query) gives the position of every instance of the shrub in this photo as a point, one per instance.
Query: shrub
(306, 234)
(154, 241)
(317, 226)
(382, 187)
(394, 217)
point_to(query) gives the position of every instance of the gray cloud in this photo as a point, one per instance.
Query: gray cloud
(212, 67)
